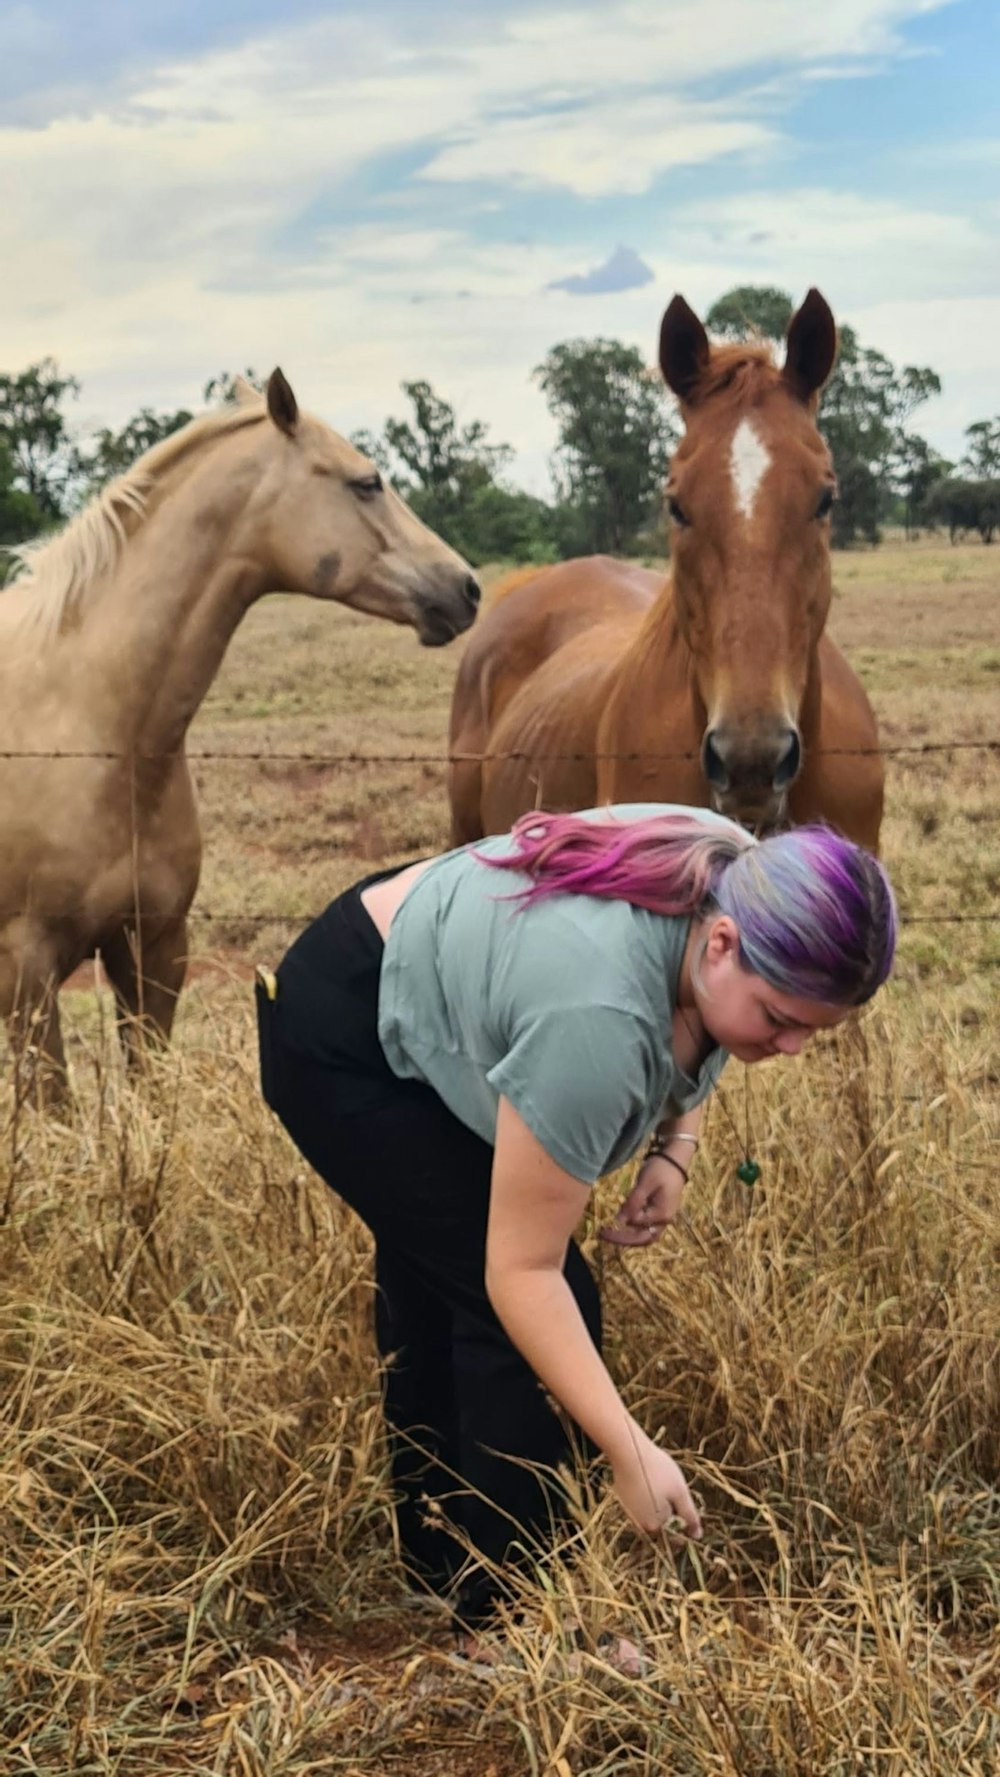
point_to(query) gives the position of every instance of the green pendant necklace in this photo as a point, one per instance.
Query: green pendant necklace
(748, 1171)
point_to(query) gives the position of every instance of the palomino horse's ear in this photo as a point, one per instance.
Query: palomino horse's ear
(281, 403)
(811, 348)
(245, 393)
(684, 348)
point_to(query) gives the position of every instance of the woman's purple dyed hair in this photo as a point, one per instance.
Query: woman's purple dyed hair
(815, 912)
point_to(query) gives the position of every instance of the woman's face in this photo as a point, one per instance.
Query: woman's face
(746, 1016)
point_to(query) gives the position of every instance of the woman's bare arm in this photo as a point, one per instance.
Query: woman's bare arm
(534, 1207)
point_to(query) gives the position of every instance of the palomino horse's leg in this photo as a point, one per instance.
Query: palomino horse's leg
(147, 975)
(40, 1074)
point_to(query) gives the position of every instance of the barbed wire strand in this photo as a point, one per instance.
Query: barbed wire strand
(351, 757)
(280, 917)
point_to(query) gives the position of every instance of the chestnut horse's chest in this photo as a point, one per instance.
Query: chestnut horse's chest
(611, 711)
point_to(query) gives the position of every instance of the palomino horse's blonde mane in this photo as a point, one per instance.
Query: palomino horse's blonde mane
(57, 572)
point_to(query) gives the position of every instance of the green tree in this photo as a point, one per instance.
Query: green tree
(506, 524)
(615, 439)
(982, 450)
(916, 470)
(34, 430)
(111, 453)
(375, 448)
(966, 506)
(864, 417)
(222, 388)
(442, 461)
(21, 516)
(442, 468)
(750, 309)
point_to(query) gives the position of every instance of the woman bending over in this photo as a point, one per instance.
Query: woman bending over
(461, 1047)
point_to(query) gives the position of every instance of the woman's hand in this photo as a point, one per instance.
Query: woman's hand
(653, 1202)
(651, 1487)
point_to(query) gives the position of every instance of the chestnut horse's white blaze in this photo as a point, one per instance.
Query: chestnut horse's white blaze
(600, 681)
(749, 462)
(108, 644)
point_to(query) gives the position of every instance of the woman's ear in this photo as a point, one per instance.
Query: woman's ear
(722, 939)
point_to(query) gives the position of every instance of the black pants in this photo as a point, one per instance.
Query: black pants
(465, 1412)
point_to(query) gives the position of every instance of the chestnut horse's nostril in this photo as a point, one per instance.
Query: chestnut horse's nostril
(788, 760)
(712, 762)
(473, 591)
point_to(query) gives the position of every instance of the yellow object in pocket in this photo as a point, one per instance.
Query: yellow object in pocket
(267, 980)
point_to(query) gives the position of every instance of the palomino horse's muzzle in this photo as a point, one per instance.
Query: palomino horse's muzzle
(444, 614)
(751, 772)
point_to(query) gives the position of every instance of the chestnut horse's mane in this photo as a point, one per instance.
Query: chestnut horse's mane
(743, 373)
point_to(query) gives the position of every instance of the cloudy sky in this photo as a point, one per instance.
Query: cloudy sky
(445, 188)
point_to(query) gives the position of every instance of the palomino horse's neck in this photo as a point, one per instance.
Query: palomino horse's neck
(153, 634)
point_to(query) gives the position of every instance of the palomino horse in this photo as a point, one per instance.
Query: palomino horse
(596, 681)
(108, 644)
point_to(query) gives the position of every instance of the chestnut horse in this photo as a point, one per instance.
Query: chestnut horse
(109, 642)
(597, 681)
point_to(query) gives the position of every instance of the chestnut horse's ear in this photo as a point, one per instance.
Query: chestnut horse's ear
(811, 348)
(281, 403)
(684, 348)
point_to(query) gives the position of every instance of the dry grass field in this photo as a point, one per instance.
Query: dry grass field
(197, 1563)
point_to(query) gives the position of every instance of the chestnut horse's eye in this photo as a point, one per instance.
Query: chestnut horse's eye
(826, 500)
(676, 511)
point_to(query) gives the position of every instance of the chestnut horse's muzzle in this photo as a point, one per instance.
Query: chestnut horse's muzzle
(751, 771)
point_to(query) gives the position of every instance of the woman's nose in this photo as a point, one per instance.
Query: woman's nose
(791, 1042)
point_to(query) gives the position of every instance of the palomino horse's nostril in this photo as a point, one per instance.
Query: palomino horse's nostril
(473, 590)
(788, 761)
(713, 764)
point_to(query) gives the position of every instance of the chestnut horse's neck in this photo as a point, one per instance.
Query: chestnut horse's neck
(658, 654)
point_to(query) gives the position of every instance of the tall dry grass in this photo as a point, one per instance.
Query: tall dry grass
(198, 1571)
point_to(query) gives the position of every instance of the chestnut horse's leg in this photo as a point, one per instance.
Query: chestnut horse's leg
(465, 792)
(147, 974)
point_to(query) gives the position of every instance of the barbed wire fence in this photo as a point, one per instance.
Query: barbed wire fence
(353, 757)
(912, 749)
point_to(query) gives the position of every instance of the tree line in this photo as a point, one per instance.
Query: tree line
(616, 428)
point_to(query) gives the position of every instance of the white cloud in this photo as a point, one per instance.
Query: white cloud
(856, 247)
(960, 338)
(161, 238)
(619, 146)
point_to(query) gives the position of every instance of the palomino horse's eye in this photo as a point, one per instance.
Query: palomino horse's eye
(676, 511)
(366, 487)
(826, 500)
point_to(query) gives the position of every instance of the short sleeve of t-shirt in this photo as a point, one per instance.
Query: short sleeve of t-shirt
(559, 1075)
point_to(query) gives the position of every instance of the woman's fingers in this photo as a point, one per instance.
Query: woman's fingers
(641, 1218)
(638, 1231)
(685, 1507)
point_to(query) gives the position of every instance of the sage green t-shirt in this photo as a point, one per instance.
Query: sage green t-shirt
(564, 1007)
